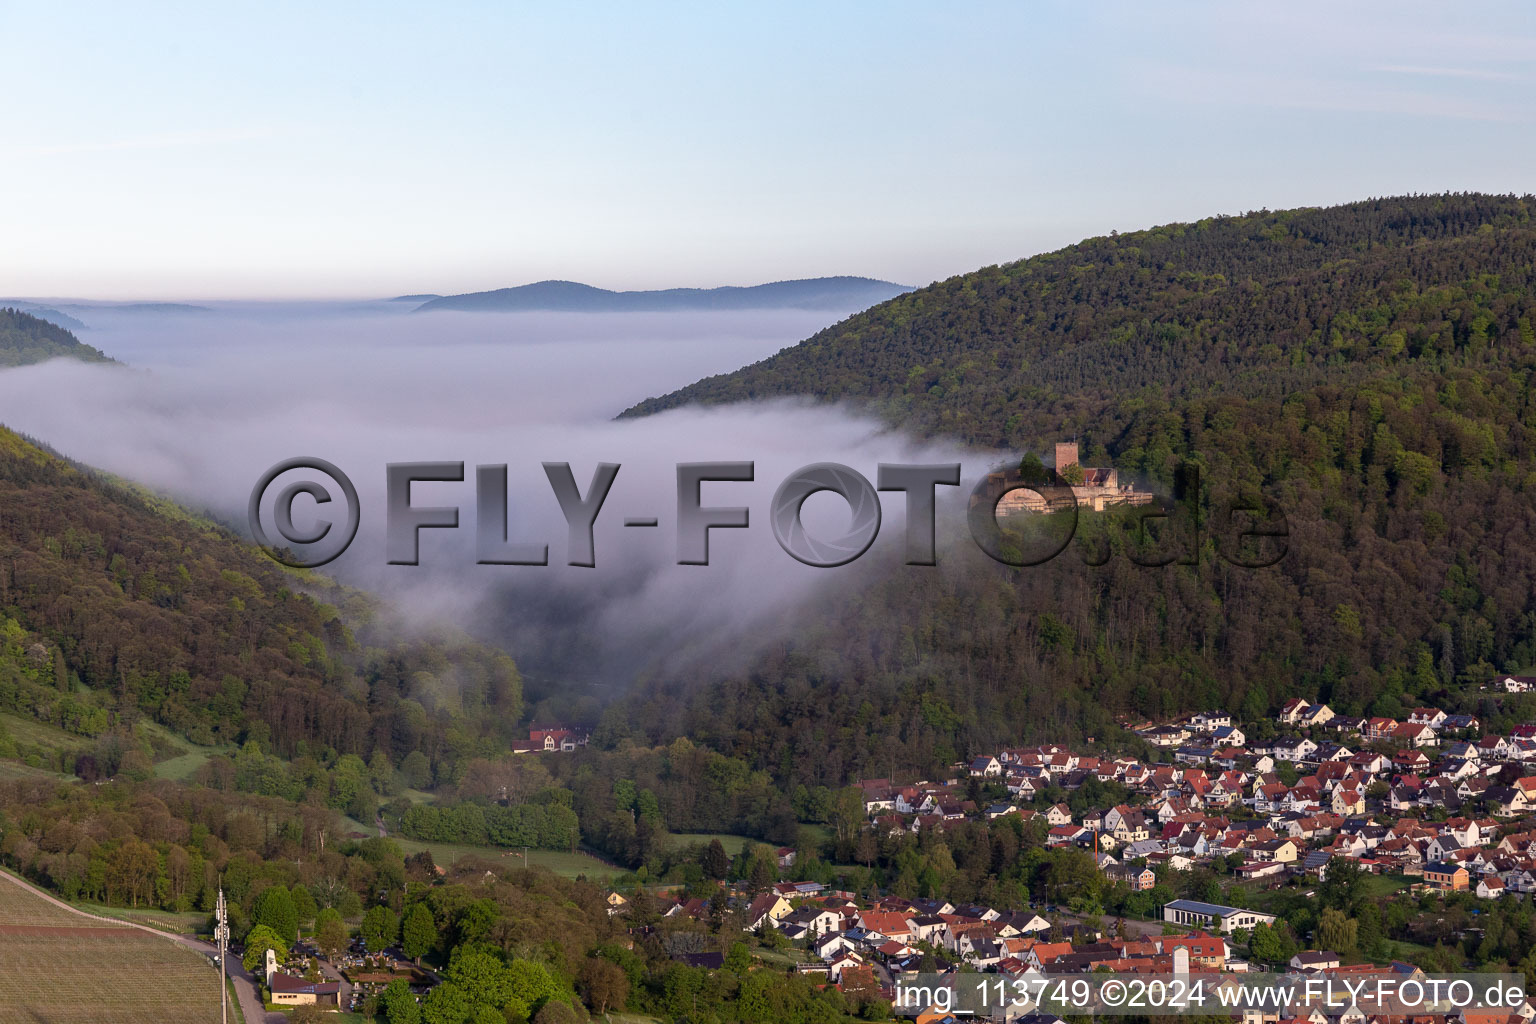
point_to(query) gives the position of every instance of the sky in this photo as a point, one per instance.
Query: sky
(185, 151)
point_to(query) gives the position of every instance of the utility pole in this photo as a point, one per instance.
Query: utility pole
(221, 936)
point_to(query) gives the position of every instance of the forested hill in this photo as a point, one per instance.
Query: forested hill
(116, 607)
(25, 339)
(1262, 304)
(1368, 367)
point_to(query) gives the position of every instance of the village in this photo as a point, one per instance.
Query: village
(1431, 801)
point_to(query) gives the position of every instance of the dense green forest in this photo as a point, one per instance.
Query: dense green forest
(114, 606)
(25, 338)
(1367, 368)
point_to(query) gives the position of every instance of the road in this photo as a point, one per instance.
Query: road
(245, 985)
(344, 997)
(251, 1007)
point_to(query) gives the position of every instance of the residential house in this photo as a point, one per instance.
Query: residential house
(1446, 877)
(1490, 887)
(1228, 736)
(1315, 960)
(768, 909)
(1414, 735)
(986, 767)
(1432, 717)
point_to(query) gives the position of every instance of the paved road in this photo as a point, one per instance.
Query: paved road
(245, 985)
(345, 995)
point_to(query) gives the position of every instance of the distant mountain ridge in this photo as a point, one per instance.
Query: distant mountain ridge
(824, 293)
(157, 308)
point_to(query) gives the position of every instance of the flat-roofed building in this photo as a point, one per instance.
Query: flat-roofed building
(1227, 920)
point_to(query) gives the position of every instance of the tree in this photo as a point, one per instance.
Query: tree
(418, 932)
(399, 1006)
(310, 1014)
(1265, 945)
(554, 1012)
(257, 941)
(330, 933)
(603, 985)
(739, 960)
(860, 984)
(475, 970)
(474, 921)
(762, 872)
(303, 904)
(380, 928)
(416, 770)
(131, 871)
(1336, 932)
(847, 815)
(531, 986)
(714, 861)
(381, 773)
(447, 1004)
(1343, 884)
(274, 908)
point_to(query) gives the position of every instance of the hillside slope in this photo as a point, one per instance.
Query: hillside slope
(1258, 305)
(25, 338)
(115, 606)
(1368, 368)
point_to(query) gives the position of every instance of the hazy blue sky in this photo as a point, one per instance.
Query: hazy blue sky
(201, 150)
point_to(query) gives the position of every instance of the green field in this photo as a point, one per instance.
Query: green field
(31, 732)
(40, 743)
(560, 862)
(182, 766)
(733, 844)
(17, 770)
(65, 968)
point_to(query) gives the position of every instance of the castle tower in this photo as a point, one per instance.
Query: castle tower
(1066, 455)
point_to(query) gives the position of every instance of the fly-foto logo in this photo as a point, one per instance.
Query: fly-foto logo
(1251, 532)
